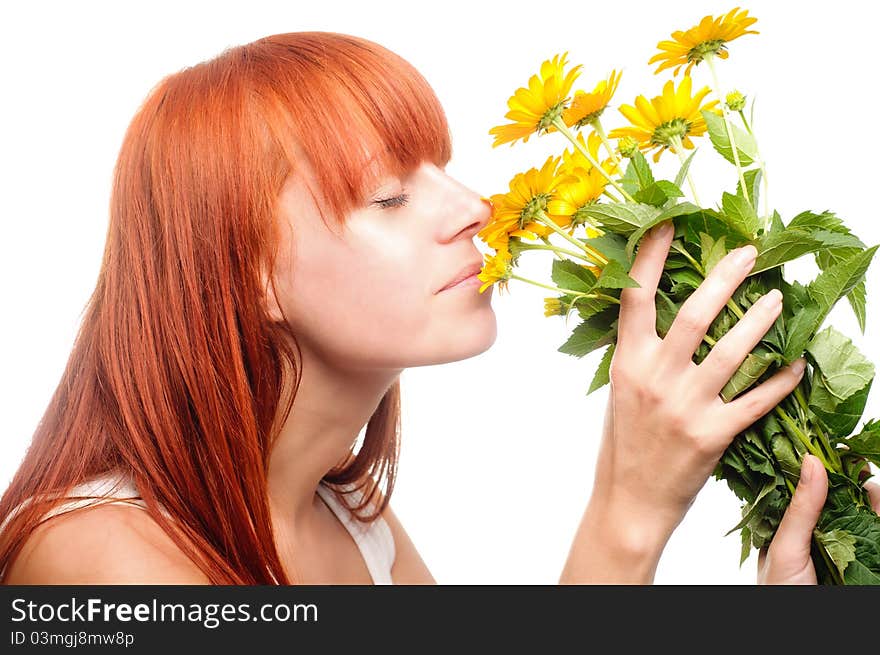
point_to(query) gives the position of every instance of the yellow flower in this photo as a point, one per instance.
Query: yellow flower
(707, 39)
(515, 212)
(574, 158)
(667, 119)
(553, 307)
(584, 189)
(496, 269)
(533, 109)
(588, 107)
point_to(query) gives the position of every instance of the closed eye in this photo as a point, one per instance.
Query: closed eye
(396, 201)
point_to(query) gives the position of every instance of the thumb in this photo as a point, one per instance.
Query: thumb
(792, 540)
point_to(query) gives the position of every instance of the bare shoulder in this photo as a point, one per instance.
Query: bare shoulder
(107, 544)
(408, 568)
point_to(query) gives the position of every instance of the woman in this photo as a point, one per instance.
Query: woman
(282, 241)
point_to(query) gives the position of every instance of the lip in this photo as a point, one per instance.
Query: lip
(471, 270)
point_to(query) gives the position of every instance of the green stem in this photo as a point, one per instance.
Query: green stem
(556, 249)
(611, 196)
(832, 569)
(764, 181)
(560, 125)
(678, 147)
(562, 291)
(599, 258)
(597, 125)
(801, 436)
(742, 180)
(823, 438)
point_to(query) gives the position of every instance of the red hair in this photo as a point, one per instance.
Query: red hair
(177, 373)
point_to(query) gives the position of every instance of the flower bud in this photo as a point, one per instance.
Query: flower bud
(627, 146)
(736, 101)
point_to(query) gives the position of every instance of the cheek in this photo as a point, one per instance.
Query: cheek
(359, 300)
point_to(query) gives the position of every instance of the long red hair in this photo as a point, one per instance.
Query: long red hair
(177, 373)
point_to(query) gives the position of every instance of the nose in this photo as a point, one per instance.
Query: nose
(470, 211)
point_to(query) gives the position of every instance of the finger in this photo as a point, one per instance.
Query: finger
(638, 316)
(762, 557)
(792, 539)
(742, 411)
(873, 490)
(703, 305)
(730, 351)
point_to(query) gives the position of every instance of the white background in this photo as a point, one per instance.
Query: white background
(498, 450)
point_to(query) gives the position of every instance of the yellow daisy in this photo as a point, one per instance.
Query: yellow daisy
(707, 39)
(588, 107)
(496, 269)
(667, 121)
(574, 158)
(584, 189)
(515, 212)
(533, 109)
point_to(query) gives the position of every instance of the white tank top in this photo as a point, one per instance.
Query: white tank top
(374, 540)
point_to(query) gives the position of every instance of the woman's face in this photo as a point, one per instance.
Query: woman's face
(369, 295)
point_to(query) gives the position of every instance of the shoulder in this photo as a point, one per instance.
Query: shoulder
(408, 568)
(108, 544)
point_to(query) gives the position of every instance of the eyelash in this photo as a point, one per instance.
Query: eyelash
(396, 201)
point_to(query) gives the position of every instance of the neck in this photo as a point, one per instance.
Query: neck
(331, 407)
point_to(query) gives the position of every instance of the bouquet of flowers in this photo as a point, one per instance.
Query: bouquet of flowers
(617, 197)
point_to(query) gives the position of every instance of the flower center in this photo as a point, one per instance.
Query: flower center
(699, 52)
(589, 118)
(550, 115)
(580, 217)
(529, 213)
(664, 134)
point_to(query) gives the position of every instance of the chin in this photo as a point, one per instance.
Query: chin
(469, 340)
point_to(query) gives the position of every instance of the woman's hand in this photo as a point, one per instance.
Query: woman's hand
(666, 427)
(787, 559)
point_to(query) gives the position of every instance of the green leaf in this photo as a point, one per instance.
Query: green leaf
(752, 368)
(824, 291)
(684, 279)
(838, 280)
(753, 186)
(674, 211)
(776, 248)
(745, 143)
(612, 245)
(843, 368)
(602, 377)
(740, 214)
(712, 251)
(597, 331)
(867, 442)
(621, 217)
(571, 275)
(845, 416)
(840, 546)
(749, 511)
(658, 193)
(859, 574)
(614, 277)
(785, 454)
(638, 174)
(683, 171)
(746, 536)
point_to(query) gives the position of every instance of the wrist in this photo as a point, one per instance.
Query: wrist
(618, 542)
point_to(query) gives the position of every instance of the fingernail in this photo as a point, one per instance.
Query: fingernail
(806, 468)
(746, 255)
(771, 298)
(798, 366)
(662, 230)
